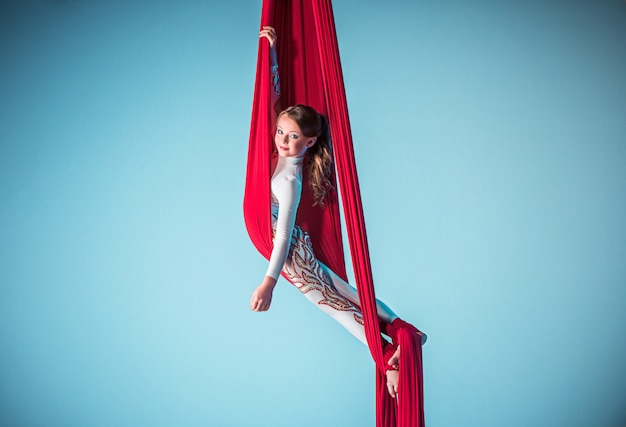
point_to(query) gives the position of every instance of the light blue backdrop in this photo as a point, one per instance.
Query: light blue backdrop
(491, 142)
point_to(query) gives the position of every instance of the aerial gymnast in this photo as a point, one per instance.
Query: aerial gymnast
(302, 145)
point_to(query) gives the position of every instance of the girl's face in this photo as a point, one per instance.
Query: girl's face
(289, 140)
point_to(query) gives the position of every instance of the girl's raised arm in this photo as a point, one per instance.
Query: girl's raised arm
(270, 34)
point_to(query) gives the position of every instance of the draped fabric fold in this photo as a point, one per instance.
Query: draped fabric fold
(310, 71)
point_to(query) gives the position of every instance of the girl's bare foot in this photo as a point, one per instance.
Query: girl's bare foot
(394, 360)
(393, 374)
(392, 382)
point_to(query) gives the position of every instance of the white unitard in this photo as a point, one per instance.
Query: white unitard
(293, 255)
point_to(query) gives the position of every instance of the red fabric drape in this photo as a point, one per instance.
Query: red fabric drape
(301, 82)
(311, 74)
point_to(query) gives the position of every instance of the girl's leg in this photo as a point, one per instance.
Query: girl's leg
(385, 313)
(325, 289)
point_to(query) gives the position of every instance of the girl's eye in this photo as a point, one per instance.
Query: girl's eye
(294, 136)
(279, 131)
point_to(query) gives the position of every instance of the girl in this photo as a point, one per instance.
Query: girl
(302, 138)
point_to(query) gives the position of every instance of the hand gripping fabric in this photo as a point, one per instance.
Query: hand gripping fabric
(310, 70)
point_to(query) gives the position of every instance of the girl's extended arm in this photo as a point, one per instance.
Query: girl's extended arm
(287, 191)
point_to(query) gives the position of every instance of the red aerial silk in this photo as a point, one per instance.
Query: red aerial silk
(310, 72)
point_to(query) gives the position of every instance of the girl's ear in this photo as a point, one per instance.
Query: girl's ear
(311, 142)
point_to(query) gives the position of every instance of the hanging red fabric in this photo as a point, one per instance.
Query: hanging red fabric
(310, 70)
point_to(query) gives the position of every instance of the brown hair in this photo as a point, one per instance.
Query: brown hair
(320, 155)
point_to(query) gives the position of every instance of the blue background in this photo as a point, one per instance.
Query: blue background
(490, 137)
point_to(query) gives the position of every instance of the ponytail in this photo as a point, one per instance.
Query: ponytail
(320, 166)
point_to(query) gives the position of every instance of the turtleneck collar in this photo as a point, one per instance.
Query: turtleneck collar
(292, 160)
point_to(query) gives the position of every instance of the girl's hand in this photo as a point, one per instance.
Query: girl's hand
(270, 34)
(262, 295)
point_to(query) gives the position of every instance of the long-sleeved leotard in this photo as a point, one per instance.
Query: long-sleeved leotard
(293, 254)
